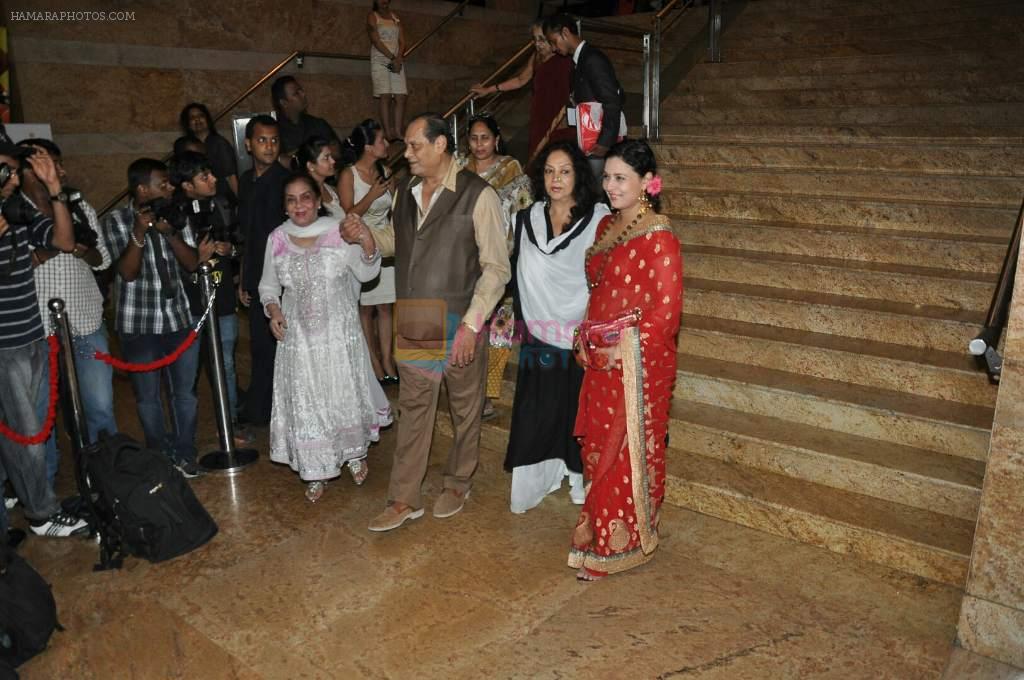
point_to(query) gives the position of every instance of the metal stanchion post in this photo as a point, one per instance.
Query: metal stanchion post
(79, 438)
(228, 460)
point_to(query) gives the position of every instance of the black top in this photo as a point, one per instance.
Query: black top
(260, 211)
(223, 275)
(223, 163)
(594, 80)
(294, 134)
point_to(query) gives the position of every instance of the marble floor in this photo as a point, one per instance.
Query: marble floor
(293, 590)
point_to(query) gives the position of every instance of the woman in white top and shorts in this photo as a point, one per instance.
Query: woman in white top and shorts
(387, 67)
(364, 188)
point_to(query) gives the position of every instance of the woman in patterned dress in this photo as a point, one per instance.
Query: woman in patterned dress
(627, 344)
(327, 407)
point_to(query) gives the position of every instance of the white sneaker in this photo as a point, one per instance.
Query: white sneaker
(60, 525)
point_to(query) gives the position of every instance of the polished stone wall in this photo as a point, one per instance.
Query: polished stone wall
(112, 90)
(992, 613)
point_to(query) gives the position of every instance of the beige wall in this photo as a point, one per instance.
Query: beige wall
(113, 90)
(992, 613)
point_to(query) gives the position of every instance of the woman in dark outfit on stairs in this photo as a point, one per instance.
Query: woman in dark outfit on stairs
(550, 293)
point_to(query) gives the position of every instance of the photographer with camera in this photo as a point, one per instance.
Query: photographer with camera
(155, 253)
(209, 215)
(23, 349)
(70, 276)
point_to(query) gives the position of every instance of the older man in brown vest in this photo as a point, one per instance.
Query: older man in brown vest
(451, 267)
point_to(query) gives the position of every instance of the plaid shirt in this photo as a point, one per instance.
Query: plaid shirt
(69, 277)
(142, 305)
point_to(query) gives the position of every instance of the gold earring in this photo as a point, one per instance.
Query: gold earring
(644, 201)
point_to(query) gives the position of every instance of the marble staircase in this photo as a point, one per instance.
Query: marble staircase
(844, 187)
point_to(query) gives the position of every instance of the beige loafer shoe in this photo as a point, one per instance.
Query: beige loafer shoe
(392, 519)
(449, 503)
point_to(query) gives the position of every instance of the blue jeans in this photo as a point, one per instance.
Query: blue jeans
(228, 340)
(95, 382)
(21, 378)
(180, 444)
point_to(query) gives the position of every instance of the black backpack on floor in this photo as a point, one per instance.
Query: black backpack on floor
(28, 612)
(139, 502)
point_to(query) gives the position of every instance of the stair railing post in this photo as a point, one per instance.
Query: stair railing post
(655, 131)
(715, 31)
(647, 85)
(227, 460)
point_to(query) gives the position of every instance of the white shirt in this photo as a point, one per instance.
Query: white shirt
(576, 54)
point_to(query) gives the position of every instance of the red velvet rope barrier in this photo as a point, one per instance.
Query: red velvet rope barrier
(152, 365)
(51, 413)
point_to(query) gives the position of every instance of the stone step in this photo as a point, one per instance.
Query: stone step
(968, 134)
(901, 95)
(862, 64)
(924, 543)
(924, 372)
(898, 19)
(851, 82)
(976, 191)
(922, 479)
(965, 254)
(735, 50)
(900, 283)
(896, 417)
(994, 115)
(796, 10)
(876, 320)
(992, 226)
(953, 160)
(917, 26)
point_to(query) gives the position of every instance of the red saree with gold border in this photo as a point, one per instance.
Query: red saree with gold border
(623, 414)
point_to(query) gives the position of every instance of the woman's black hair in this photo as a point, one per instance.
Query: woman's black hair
(308, 152)
(362, 136)
(304, 177)
(586, 191)
(637, 154)
(183, 119)
(492, 125)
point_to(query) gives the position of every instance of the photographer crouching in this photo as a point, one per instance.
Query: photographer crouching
(23, 349)
(70, 276)
(153, 319)
(211, 220)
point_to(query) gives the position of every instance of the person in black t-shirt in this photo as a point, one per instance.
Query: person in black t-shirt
(260, 211)
(195, 187)
(196, 122)
(295, 124)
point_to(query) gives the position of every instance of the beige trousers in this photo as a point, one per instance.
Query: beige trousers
(418, 393)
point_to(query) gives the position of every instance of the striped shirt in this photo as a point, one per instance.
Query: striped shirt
(69, 277)
(147, 305)
(20, 323)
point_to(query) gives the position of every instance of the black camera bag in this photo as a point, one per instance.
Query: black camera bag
(140, 503)
(28, 612)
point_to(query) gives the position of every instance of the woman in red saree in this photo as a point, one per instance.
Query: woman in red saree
(627, 344)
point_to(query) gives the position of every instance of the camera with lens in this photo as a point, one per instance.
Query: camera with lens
(84, 233)
(180, 212)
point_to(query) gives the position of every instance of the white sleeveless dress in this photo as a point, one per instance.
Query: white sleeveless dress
(380, 291)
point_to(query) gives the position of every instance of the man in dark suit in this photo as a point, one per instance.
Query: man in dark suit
(593, 81)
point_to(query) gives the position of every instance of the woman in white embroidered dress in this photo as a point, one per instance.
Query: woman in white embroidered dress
(327, 407)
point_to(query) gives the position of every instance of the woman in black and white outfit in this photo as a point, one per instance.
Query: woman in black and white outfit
(550, 293)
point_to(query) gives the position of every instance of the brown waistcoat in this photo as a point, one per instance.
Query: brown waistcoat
(437, 265)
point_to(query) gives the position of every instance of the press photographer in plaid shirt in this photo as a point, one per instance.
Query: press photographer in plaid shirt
(153, 260)
(70, 276)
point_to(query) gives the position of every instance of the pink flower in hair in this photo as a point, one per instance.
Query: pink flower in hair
(654, 186)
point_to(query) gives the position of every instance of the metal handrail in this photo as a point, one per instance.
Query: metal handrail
(458, 10)
(298, 56)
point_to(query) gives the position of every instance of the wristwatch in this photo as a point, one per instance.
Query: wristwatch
(59, 196)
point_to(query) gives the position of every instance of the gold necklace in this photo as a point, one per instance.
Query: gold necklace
(607, 245)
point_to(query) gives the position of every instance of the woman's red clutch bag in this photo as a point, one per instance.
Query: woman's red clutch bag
(592, 335)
